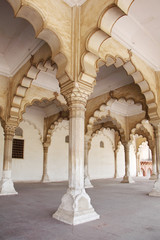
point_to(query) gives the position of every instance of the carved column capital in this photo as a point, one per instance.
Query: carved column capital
(9, 131)
(45, 149)
(77, 100)
(46, 146)
(126, 145)
(77, 92)
(156, 126)
(157, 131)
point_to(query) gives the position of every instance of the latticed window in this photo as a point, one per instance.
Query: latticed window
(18, 148)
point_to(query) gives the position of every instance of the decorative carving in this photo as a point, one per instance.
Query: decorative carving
(146, 130)
(104, 114)
(59, 124)
(98, 49)
(9, 131)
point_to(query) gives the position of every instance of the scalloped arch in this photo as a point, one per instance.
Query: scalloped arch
(35, 17)
(35, 127)
(40, 99)
(103, 132)
(139, 147)
(146, 131)
(53, 127)
(15, 110)
(103, 113)
(101, 47)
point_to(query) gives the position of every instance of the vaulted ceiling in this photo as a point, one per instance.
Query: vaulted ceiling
(17, 41)
(138, 31)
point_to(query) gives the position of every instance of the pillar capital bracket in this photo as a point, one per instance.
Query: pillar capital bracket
(46, 144)
(126, 143)
(156, 123)
(9, 130)
(77, 92)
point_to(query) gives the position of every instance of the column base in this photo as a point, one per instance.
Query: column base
(127, 179)
(75, 208)
(156, 189)
(6, 184)
(153, 177)
(45, 179)
(116, 176)
(87, 183)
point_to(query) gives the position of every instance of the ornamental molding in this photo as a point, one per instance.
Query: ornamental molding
(73, 3)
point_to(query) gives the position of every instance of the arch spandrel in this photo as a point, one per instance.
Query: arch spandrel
(36, 13)
(101, 46)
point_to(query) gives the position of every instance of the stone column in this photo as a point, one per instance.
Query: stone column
(45, 177)
(6, 184)
(156, 189)
(76, 207)
(137, 164)
(154, 170)
(87, 182)
(127, 178)
(115, 162)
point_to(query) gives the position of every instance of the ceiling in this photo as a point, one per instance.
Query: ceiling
(17, 41)
(109, 79)
(140, 31)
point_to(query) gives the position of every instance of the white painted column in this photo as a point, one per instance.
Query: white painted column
(127, 178)
(115, 162)
(156, 188)
(137, 164)
(45, 177)
(76, 207)
(87, 182)
(6, 184)
(154, 170)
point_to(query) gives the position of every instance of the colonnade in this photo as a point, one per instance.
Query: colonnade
(76, 205)
(6, 184)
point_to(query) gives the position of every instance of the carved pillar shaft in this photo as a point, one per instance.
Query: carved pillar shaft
(86, 151)
(156, 188)
(137, 164)
(87, 182)
(127, 160)
(115, 162)
(157, 135)
(8, 141)
(127, 178)
(45, 177)
(154, 171)
(76, 146)
(6, 185)
(76, 207)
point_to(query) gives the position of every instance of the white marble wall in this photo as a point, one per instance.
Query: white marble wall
(1, 149)
(30, 168)
(58, 154)
(101, 160)
(120, 162)
(132, 161)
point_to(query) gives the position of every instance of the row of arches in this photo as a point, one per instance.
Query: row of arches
(72, 57)
(101, 160)
(91, 61)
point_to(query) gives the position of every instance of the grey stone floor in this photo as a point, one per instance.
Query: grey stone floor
(126, 210)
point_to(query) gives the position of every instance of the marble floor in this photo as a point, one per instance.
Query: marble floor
(126, 212)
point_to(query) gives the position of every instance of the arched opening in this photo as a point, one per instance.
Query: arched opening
(101, 162)
(58, 152)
